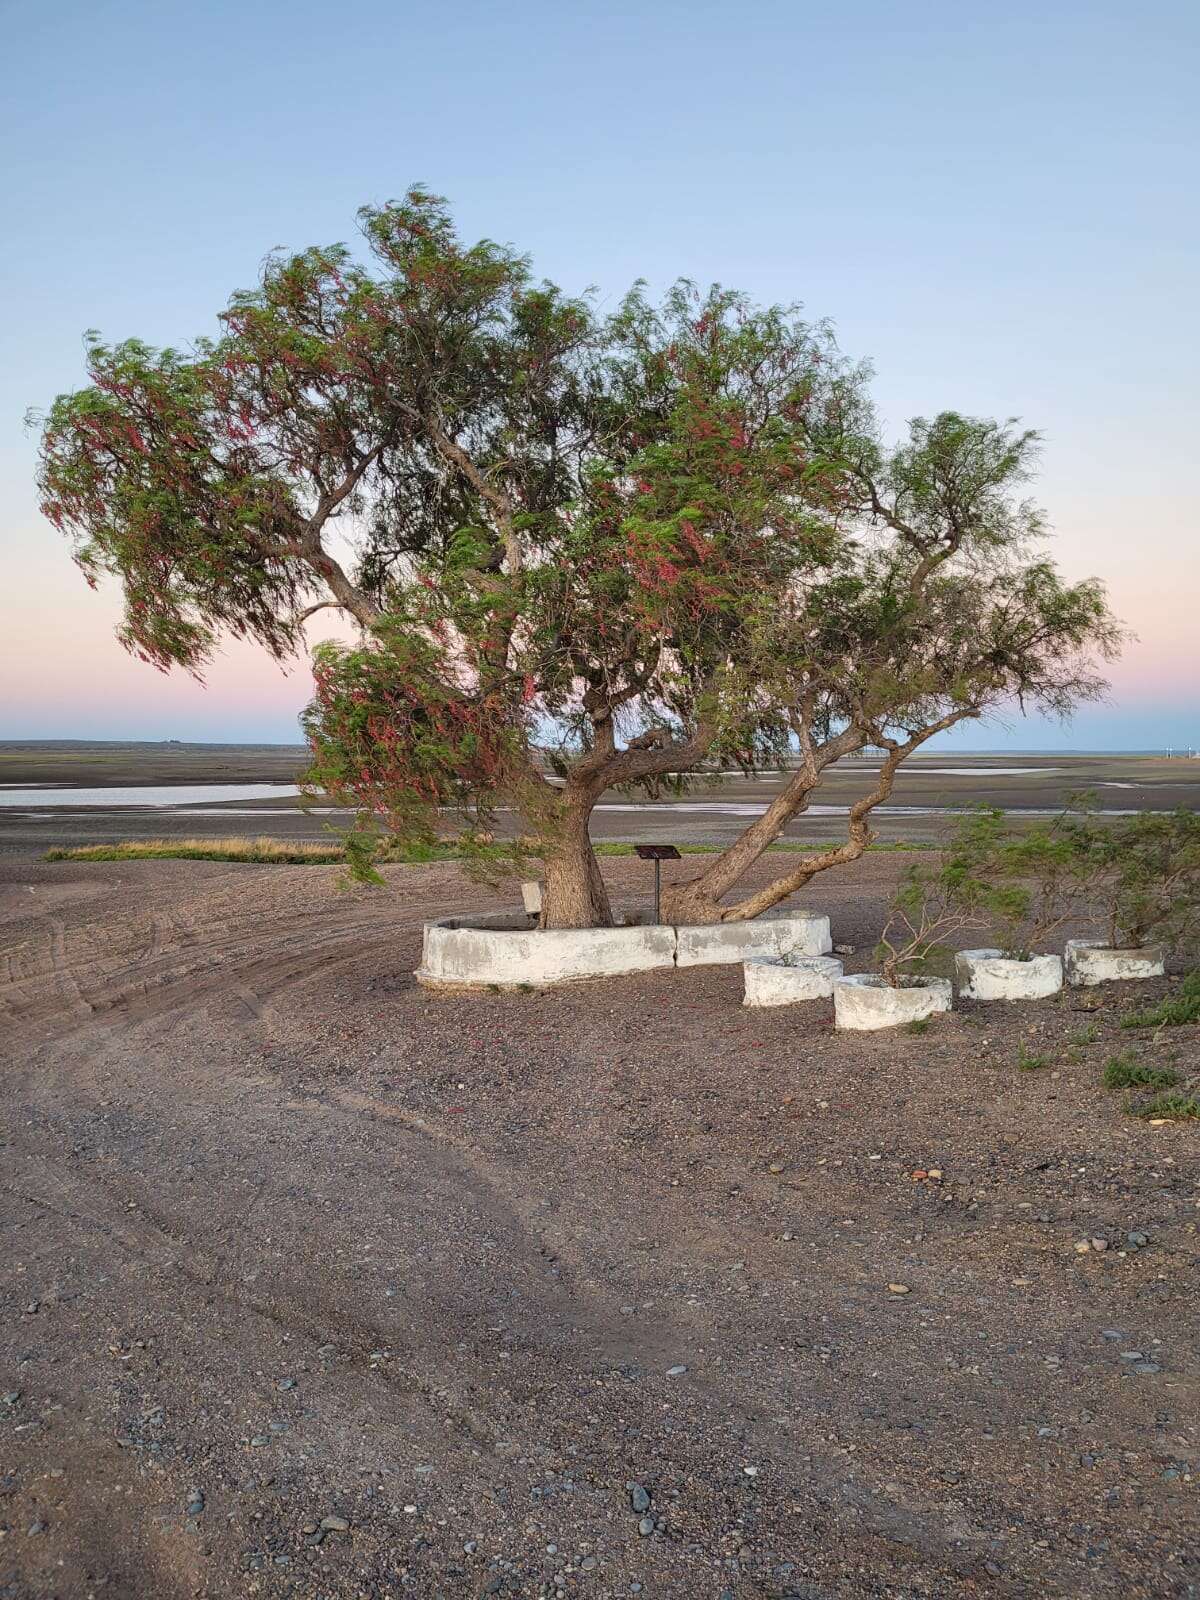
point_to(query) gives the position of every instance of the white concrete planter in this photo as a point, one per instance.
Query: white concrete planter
(864, 1002)
(991, 975)
(1091, 961)
(510, 951)
(772, 982)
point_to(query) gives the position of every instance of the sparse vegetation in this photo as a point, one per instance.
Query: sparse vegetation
(928, 906)
(918, 1025)
(1149, 884)
(1127, 1072)
(1028, 1061)
(1032, 881)
(1172, 1107)
(1181, 1007)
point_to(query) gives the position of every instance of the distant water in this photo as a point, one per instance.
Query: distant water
(155, 796)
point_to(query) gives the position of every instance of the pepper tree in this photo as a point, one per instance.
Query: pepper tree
(583, 551)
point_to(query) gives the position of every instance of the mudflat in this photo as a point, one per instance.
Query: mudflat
(929, 791)
(316, 1284)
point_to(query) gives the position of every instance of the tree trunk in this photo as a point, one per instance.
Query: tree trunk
(573, 894)
(698, 900)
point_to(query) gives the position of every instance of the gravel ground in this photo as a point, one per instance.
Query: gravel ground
(318, 1285)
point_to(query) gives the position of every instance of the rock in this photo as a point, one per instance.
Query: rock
(1133, 1355)
(1137, 1241)
(899, 1288)
(588, 1563)
(639, 1498)
(12, 1398)
(676, 1372)
(285, 1384)
(1111, 1333)
(1099, 1244)
(195, 1502)
(646, 1527)
(334, 1525)
(751, 1472)
(1082, 1247)
(1146, 1368)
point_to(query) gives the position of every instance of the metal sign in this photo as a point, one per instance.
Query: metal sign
(658, 853)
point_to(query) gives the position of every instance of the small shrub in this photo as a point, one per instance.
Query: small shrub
(1126, 1072)
(1152, 878)
(1175, 1010)
(918, 1025)
(1028, 1062)
(1176, 1107)
(1083, 1036)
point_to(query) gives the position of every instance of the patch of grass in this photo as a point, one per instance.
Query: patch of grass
(1126, 1072)
(917, 1025)
(298, 853)
(1178, 1008)
(1083, 1036)
(1027, 1061)
(1175, 1107)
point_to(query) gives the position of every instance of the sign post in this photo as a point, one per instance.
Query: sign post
(658, 853)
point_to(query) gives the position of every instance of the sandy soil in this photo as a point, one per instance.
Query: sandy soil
(288, 1239)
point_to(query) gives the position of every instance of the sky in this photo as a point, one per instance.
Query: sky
(996, 205)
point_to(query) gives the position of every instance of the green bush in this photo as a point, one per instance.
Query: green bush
(1178, 1008)
(1177, 1107)
(1126, 1072)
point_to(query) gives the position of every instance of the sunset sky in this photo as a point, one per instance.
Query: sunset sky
(997, 205)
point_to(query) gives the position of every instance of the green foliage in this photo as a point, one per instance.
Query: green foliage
(1181, 1007)
(1152, 881)
(650, 539)
(931, 903)
(1127, 1072)
(1028, 1061)
(1029, 882)
(918, 1025)
(1172, 1107)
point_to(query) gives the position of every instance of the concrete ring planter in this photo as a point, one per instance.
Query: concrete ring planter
(864, 1002)
(991, 975)
(1090, 961)
(772, 981)
(509, 951)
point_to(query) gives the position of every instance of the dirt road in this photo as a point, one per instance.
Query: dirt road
(315, 1285)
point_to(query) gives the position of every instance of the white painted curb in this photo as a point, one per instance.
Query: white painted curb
(864, 1002)
(771, 982)
(1090, 961)
(508, 951)
(991, 975)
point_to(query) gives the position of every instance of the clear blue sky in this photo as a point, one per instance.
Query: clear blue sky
(998, 205)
